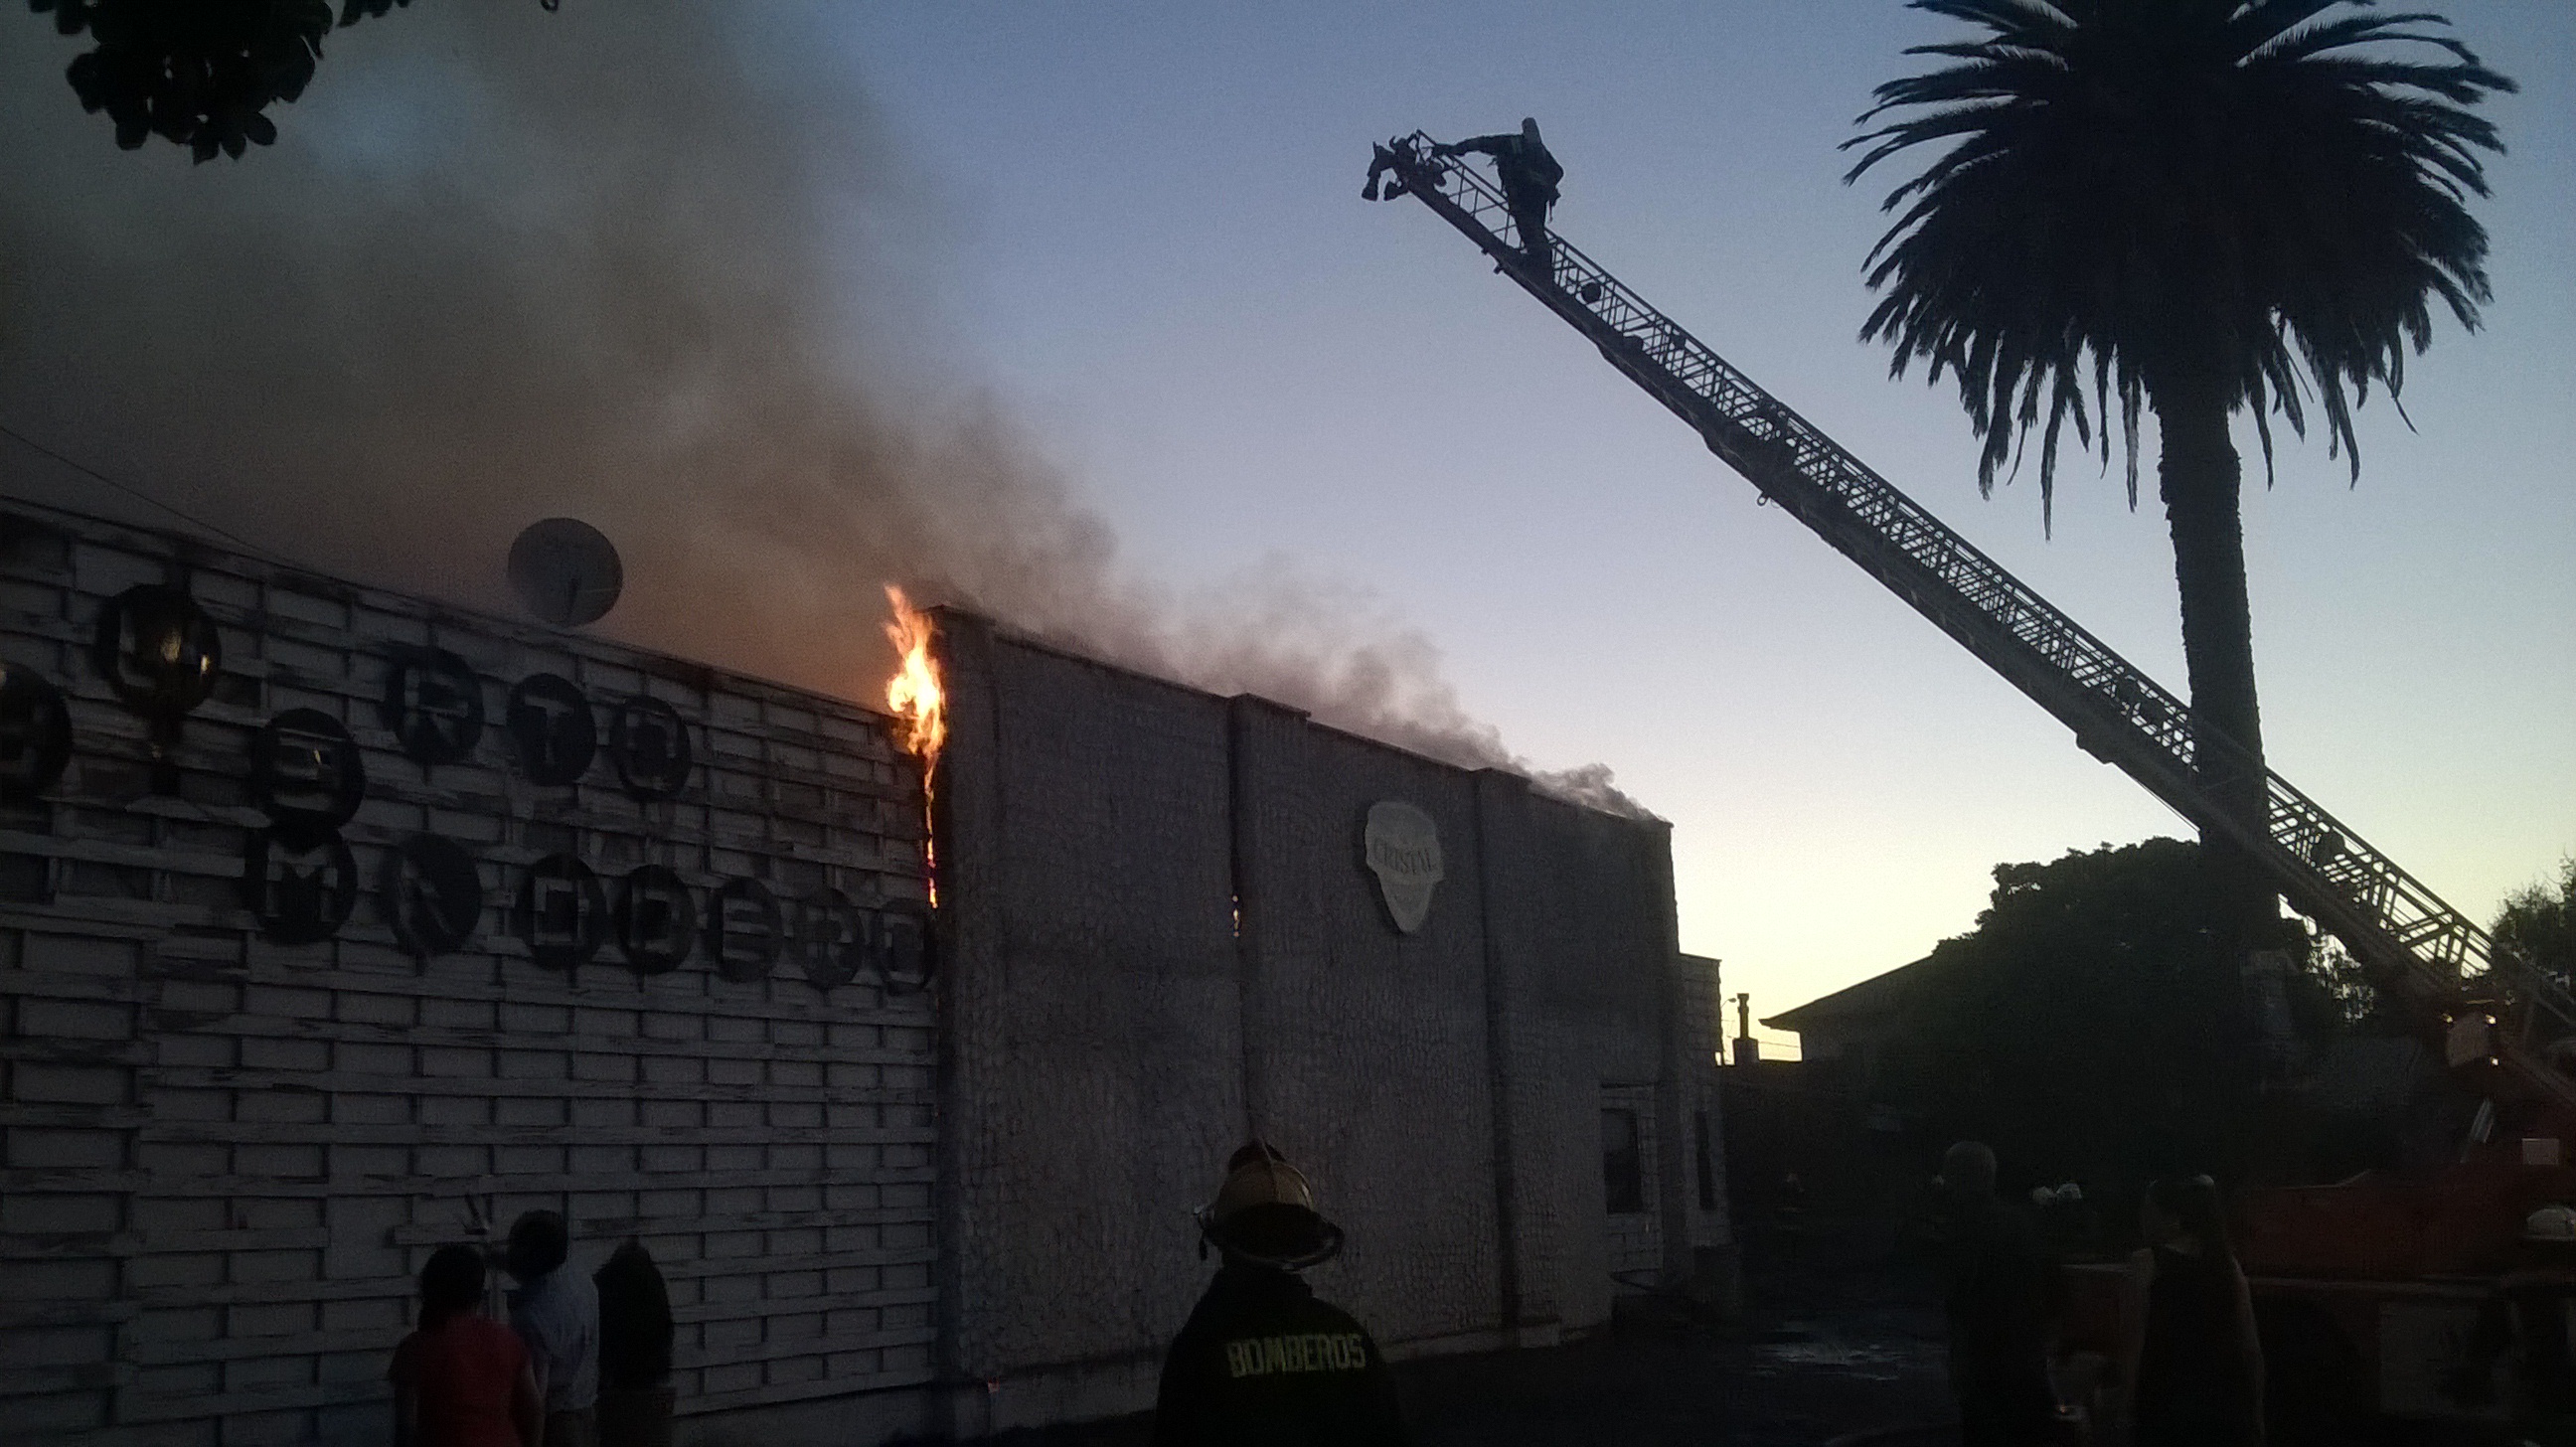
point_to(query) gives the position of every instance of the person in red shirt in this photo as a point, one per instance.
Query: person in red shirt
(462, 1379)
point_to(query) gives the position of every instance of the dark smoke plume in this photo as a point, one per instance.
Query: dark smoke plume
(622, 262)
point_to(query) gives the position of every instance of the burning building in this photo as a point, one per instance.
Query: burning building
(336, 925)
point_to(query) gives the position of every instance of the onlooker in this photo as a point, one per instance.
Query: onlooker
(2193, 1361)
(556, 1313)
(2526, 1325)
(1262, 1362)
(461, 1379)
(634, 1350)
(2063, 1218)
(1997, 1295)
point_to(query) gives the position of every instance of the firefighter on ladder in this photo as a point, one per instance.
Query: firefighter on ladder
(1521, 162)
(1529, 175)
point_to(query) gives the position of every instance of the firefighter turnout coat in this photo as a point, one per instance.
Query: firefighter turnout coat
(1262, 1363)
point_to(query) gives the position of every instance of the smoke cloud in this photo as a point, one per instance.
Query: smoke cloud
(625, 263)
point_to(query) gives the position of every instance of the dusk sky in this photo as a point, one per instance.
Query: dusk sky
(1137, 232)
(1164, 262)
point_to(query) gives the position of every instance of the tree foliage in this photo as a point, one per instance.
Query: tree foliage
(2095, 1025)
(2257, 197)
(201, 73)
(2539, 923)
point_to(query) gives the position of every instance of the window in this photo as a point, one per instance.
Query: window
(1707, 1167)
(1623, 1166)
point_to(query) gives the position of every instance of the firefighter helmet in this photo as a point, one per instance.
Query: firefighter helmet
(2554, 1225)
(1265, 1212)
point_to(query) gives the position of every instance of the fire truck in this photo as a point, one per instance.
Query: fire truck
(2367, 1291)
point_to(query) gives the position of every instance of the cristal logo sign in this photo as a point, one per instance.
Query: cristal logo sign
(1402, 846)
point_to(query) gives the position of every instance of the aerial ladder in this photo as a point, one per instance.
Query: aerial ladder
(2496, 1015)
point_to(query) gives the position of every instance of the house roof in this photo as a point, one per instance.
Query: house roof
(1877, 997)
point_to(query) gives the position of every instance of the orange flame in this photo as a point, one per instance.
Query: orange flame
(914, 692)
(921, 705)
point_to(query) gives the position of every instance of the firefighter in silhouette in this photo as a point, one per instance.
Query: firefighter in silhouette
(1529, 176)
(1996, 1297)
(2529, 1325)
(1262, 1362)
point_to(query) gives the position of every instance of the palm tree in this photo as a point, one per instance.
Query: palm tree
(2194, 206)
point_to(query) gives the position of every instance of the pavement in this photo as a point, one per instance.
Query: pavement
(1796, 1378)
(1812, 1359)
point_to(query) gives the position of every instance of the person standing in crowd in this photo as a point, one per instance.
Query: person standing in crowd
(1262, 1362)
(556, 1313)
(461, 1379)
(2192, 1360)
(634, 1350)
(1996, 1296)
(2526, 1326)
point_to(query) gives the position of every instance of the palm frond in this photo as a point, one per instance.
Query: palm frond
(2262, 24)
(2347, 31)
(2274, 189)
(2008, 16)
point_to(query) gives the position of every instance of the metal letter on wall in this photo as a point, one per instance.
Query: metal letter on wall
(649, 742)
(158, 651)
(829, 939)
(1402, 846)
(899, 946)
(743, 930)
(431, 894)
(160, 654)
(35, 732)
(306, 773)
(657, 919)
(550, 721)
(433, 705)
(563, 914)
(302, 889)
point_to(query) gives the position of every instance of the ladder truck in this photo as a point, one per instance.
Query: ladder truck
(2367, 1288)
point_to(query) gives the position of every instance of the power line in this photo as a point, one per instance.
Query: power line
(138, 494)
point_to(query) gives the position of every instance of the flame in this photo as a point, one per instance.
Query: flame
(914, 692)
(921, 707)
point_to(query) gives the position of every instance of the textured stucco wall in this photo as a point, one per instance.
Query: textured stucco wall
(1090, 1002)
(1703, 1027)
(1596, 907)
(1367, 1047)
(225, 1156)
(1113, 1036)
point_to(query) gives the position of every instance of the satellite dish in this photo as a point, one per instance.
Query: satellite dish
(565, 572)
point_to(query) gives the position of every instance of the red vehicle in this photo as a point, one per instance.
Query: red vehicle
(2369, 1293)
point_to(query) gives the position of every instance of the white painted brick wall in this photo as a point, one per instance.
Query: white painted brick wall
(224, 1157)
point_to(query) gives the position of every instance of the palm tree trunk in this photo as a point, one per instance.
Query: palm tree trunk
(2199, 477)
